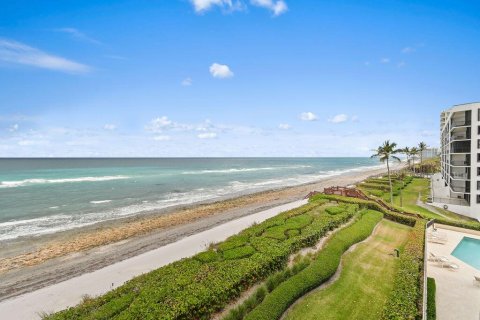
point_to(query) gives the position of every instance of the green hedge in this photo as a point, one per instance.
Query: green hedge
(321, 269)
(465, 225)
(408, 220)
(406, 299)
(431, 304)
(196, 287)
(335, 210)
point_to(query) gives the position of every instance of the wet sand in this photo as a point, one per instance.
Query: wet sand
(31, 264)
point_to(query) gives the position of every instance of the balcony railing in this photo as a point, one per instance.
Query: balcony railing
(460, 150)
(459, 163)
(461, 123)
(460, 137)
(464, 176)
(459, 189)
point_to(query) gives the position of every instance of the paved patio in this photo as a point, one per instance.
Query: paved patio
(457, 295)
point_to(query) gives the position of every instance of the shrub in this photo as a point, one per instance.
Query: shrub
(207, 256)
(334, 210)
(233, 242)
(405, 301)
(376, 193)
(196, 287)
(320, 270)
(408, 220)
(431, 304)
(239, 252)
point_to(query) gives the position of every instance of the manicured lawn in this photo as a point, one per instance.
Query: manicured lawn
(410, 195)
(365, 281)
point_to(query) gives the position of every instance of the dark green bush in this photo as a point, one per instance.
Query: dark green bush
(207, 256)
(408, 220)
(320, 270)
(334, 210)
(431, 304)
(238, 253)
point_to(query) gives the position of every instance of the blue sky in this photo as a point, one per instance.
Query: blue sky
(231, 78)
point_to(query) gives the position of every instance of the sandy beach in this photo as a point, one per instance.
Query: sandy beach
(47, 262)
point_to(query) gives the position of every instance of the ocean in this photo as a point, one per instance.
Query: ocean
(41, 196)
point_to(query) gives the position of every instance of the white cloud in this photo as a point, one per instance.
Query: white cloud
(161, 124)
(109, 126)
(284, 126)
(221, 71)
(277, 7)
(14, 128)
(19, 53)
(207, 135)
(204, 5)
(385, 60)
(308, 116)
(162, 138)
(401, 64)
(354, 118)
(339, 118)
(76, 34)
(408, 50)
(187, 82)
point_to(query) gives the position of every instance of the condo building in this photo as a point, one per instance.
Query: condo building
(458, 186)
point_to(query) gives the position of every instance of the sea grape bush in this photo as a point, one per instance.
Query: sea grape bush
(196, 287)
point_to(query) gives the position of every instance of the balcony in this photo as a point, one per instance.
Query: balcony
(460, 163)
(461, 123)
(461, 136)
(460, 150)
(460, 176)
(460, 189)
(460, 147)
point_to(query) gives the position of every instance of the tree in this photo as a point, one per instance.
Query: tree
(422, 146)
(413, 153)
(384, 153)
(406, 151)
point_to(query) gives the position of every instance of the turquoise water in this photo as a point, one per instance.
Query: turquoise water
(468, 250)
(39, 196)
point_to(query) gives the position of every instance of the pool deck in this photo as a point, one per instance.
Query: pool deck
(457, 296)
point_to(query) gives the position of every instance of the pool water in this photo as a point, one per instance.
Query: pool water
(468, 250)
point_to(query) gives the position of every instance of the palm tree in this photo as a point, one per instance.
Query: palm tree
(413, 152)
(406, 151)
(384, 153)
(422, 146)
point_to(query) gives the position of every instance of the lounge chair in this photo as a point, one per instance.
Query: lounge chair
(476, 280)
(436, 237)
(437, 258)
(450, 265)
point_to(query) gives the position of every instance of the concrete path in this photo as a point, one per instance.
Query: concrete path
(69, 293)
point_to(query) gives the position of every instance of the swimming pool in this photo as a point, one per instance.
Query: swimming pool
(468, 250)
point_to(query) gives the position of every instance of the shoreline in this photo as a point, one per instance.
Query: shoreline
(70, 254)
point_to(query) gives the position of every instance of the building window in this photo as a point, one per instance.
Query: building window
(478, 185)
(478, 157)
(478, 198)
(478, 129)
(478, 171)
